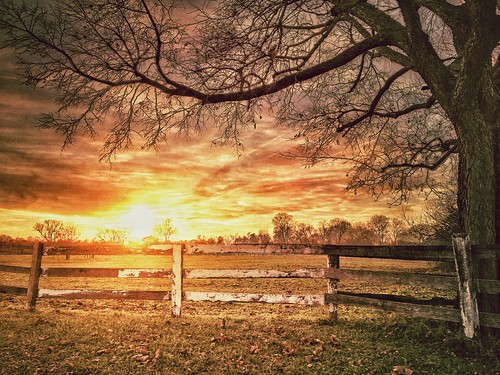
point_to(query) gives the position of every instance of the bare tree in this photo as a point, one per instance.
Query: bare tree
(111, 236)
(442, 213)
(230, 239)
(304, 233)
(264, 237)
(379, 224)
(395, 86)
(51, 230)
(339, 227)
(284, 227)
(69, 234)
(325, 232)
(396, 230)
(165, 230)
(361, 234)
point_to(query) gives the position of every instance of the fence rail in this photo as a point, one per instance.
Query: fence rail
(465, 281)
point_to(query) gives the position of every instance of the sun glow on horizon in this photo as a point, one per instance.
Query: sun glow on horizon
(139, 221)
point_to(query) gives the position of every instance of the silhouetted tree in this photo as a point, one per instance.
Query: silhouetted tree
(69, 234)
(51, 230)
(396, 229)
(283, 227)
(361, 234)
(442, 213)
(304, 233)
(165, 230)
(379, 224)
(339, 227)
(111, 236)
(325, 232)
(264, 237)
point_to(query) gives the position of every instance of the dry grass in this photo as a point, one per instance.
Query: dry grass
(140, 337)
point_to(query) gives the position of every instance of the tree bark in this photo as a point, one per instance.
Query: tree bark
(478, 192)
(496, 144)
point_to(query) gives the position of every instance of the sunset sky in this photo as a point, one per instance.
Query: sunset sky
(204, 189)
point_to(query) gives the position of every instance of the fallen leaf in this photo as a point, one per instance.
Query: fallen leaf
(156, 356)
(140, 358)
(254, 349)
(289, 351)
(401, 370)
(334, 340)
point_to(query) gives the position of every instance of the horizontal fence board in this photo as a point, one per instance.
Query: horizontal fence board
(489, 286)
(485, 251)
(104, 294)
(14, 269)
(311, 300)
(413, 252)
(253, 249)
(410, 309)
(241, 274)
(437, 282)
(107, 272)
(421, 311)
(89, 250)
(489, 319)
(16, 290)
(16, 248)
(425, 252)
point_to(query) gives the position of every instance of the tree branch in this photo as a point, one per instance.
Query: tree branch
(452, 150)
(339, 60)
(424, 56)
(370, 112)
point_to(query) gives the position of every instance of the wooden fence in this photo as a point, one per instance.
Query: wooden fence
(466, 258)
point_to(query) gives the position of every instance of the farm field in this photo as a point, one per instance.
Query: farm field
(140, 337)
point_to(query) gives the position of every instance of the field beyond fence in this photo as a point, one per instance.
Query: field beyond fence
(331, 275)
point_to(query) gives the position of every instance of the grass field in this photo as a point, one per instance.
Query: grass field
(140, 337)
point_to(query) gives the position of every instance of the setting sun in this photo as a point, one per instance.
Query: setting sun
(139, 221)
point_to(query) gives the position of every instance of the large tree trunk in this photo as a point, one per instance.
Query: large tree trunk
(496, 145)
(478, 192)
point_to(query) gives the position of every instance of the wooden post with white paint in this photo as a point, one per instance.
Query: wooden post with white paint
(333, 261)
(467, 285)
(35, 272)
(177, 270)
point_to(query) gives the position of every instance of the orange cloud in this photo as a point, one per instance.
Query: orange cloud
(206, 189)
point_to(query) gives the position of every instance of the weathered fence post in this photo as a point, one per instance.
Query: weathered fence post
(333, 261)
(177, 269)
(35, 271)
(467, 285)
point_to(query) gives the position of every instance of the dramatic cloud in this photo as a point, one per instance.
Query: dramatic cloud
(205, 189)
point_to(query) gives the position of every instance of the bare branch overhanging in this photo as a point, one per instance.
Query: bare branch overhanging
(355, 69)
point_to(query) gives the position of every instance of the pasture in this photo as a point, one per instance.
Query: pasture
(140, 337)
